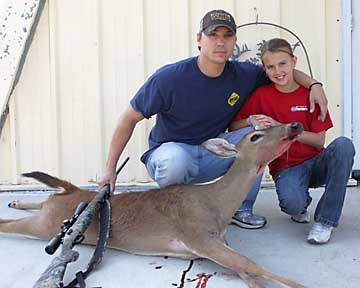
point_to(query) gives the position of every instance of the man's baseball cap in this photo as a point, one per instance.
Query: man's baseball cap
(217, 18)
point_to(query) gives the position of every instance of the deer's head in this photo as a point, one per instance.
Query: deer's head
(258, 147)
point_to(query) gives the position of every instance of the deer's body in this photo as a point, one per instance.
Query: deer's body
(186, 221)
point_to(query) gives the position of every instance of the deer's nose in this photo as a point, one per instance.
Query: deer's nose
(296, 127)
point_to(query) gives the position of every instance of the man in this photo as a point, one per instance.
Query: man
(194, 100)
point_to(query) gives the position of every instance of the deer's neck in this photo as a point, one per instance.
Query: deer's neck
(231, 190)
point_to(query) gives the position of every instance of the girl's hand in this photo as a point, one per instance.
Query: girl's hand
(260, 121)
(317, 96)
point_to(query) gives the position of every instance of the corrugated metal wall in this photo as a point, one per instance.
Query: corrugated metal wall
(89, 57)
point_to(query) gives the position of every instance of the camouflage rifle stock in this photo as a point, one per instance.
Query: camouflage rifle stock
(53, 276)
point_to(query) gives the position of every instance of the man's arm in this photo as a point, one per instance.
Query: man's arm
(120, 138)
(317, 94)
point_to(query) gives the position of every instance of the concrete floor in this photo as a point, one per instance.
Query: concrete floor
(280, 247)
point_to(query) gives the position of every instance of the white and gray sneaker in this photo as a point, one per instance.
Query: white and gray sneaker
(301, 218)
(320, 233)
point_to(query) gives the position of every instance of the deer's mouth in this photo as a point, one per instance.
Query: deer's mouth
(283, 146)
(293, 130)
(291, 137)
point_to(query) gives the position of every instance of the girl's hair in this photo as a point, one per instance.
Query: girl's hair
(276, 45)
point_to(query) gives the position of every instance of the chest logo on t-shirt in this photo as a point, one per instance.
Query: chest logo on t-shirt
(234, 97)
(298, 108)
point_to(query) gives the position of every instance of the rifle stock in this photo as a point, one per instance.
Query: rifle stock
(53, 276)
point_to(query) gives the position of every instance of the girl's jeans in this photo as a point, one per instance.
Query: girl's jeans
(331, 167)
(179, 163)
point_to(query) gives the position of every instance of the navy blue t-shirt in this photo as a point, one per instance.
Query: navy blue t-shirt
(190, 106)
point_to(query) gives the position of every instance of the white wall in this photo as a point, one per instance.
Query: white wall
(89, 57)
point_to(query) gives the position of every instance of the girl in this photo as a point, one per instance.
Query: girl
(307, 163)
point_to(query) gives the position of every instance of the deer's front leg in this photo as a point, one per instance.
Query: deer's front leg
(215, 249)
(219, 252)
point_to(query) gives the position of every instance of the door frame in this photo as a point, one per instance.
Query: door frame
(350, 45)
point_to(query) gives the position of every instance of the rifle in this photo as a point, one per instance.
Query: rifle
(70, 235)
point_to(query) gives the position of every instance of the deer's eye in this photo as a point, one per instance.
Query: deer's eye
(255, 137)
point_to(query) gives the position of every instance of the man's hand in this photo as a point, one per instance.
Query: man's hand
(108, 177)
(317, 96)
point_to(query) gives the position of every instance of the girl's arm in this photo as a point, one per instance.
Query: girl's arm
(258, 121)
(313, 139)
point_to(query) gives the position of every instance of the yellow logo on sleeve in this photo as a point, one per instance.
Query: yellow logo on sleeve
(234, 97)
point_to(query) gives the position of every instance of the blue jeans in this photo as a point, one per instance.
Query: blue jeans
(179, 163)
(331, 167)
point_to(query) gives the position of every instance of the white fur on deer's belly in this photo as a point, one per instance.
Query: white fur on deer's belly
(176, 248)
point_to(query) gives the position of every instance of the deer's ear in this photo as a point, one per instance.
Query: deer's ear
(220, 147)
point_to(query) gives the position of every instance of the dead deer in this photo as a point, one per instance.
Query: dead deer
(186, 221)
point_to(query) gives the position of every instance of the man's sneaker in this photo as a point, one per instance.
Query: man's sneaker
(246, 219)
(320, 233)
(301, 218)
